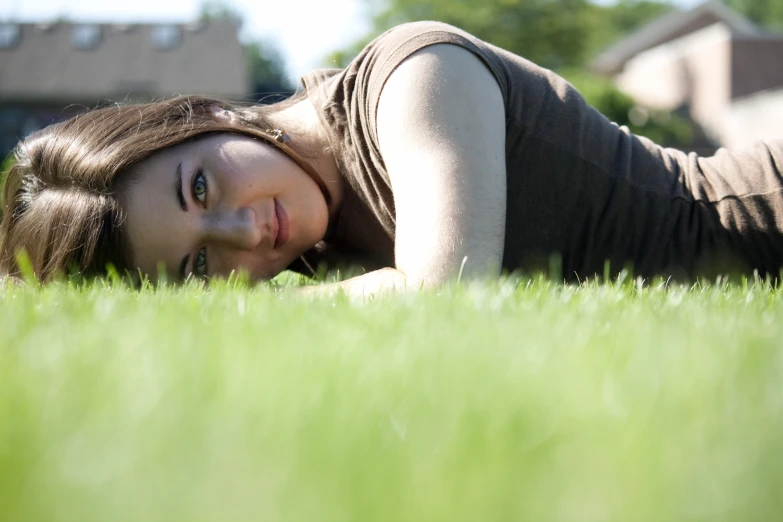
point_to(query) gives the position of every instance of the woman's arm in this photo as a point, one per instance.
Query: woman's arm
(441, 128)
(372, 284)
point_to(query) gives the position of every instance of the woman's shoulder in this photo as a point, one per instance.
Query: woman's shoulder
(388, 51)
(416, 33)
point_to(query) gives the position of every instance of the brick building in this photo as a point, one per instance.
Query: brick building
(49, 71)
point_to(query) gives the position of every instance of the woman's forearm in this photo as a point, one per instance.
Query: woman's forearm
(372, 284)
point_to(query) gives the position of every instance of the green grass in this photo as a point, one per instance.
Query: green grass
(512, 401)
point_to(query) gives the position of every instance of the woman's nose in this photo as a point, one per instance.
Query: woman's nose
(237, 228)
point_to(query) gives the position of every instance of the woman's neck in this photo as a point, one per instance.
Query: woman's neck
(309, 139)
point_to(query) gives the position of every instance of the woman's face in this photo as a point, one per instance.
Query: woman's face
(221, 203)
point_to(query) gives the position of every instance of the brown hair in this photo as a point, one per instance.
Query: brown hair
(60, 198)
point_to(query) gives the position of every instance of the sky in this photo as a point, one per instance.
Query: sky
(305, 31)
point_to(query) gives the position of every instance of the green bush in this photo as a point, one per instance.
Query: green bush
(8, 162)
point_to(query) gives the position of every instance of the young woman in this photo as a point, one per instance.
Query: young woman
(433, 154)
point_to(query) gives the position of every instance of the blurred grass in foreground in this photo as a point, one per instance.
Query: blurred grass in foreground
(510, 401)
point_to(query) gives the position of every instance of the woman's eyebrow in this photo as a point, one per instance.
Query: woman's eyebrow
(178, 189)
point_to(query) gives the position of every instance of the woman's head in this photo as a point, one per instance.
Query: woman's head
(92, 190)
(218, 203)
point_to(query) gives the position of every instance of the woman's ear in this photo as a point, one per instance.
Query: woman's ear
(223, 115)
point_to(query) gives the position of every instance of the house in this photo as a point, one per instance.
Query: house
(49, 71)
(725, 71)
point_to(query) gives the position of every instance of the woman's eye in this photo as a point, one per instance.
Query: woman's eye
(200, 187)
(200, 263)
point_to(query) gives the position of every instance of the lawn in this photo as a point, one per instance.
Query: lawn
(511, 401)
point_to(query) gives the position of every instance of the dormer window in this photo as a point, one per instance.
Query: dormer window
(9, 35)
(166, 36)
(86, 36)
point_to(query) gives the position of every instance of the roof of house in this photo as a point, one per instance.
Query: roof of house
(67, 61)
(671, 26)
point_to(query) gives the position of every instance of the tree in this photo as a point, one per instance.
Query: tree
(219, 10)
(767, 13)
(553, 33)
(613, 22)
(264, 63)
(266, 69)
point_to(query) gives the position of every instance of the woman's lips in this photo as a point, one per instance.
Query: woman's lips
(282, 225)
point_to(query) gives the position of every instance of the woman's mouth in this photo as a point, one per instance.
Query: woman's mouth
(282, 225)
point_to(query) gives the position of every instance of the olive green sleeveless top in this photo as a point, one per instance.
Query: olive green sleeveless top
(579, 187)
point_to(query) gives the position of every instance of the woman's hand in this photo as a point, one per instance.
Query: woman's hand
(441, 129)
(372, 284)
